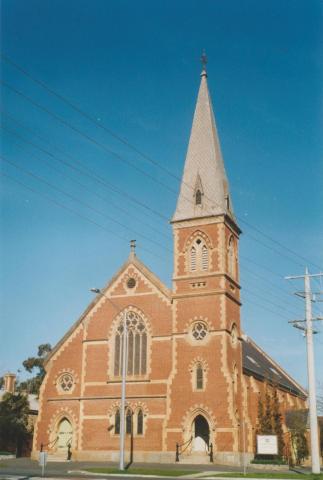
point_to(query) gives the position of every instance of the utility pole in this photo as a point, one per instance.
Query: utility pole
(308, 330)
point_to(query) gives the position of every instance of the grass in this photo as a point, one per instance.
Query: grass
(144, 471)
(307, 476)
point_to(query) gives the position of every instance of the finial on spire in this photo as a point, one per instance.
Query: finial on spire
(204, 62)
(132, 248)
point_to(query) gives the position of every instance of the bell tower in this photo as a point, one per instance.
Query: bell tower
(205, 231)
(206, 290)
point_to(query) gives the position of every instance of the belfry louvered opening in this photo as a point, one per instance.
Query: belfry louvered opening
(199, 256)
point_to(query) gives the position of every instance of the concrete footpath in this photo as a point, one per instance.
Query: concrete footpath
(24, 468)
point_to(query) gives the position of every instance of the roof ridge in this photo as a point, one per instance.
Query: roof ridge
(281, 369)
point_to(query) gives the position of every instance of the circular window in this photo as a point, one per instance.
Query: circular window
(199, 330)
(131, 283)
(66, 382)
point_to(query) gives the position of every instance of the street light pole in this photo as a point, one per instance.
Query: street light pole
(123, 392)
(124, 376)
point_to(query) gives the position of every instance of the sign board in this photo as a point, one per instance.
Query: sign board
(267, 445)
(42, 459)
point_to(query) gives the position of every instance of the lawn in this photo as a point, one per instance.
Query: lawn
(291, 475)
(144, 471)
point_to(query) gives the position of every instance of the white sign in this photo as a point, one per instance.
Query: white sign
(267, 445)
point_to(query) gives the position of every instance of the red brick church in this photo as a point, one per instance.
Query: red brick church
(192, 375)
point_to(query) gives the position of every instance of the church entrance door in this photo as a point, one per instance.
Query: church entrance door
(201, 434)
(64, 435)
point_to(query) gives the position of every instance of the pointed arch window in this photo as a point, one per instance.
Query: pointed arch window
(129, 421)
(198, 255)
(198, 197)
(193, 259)
(199, 377)
(140, 422)
(205, 258)
(137, 346)
(117, 422)
(231, 258)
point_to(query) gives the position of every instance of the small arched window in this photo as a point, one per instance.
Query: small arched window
(199, 377)
(231, 259)
(140, 422)
(198, 197)
(117, 423)
(129, 421)
(205, 258)
(193, 259)
(137, 346)
(235, 379)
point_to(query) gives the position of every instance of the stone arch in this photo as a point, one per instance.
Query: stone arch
(197, 251)
(55, 443)
(189, 419)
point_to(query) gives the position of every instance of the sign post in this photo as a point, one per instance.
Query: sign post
(42, 461)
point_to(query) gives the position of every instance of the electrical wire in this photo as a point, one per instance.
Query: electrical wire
(137, 150)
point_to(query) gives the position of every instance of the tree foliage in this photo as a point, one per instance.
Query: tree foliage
(270, 418)
(14, 430)
(32, 364)
(297, 424)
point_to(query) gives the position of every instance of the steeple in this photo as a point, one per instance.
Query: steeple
(204, 189)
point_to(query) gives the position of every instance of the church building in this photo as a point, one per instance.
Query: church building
(193, 377)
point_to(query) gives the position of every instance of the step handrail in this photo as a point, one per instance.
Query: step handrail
(178, 446)
(42, 445)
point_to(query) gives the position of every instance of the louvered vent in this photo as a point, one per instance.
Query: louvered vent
(205, 258)
(193, 259)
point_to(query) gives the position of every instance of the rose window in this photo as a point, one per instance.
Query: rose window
(199, 331)
(66, 382)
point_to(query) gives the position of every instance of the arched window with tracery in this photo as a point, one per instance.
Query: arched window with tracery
(137, 346)
(199, 255)
(231, 258)
(140, 422)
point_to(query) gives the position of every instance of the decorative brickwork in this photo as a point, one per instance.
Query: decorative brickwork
(191, 373)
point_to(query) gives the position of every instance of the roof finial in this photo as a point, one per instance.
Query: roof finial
(132, 248)
(204, 62)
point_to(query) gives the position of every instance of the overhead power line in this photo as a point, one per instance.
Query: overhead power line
(112, 232)
(81, 171)
(138, 151)
(108, 151)
(81, 202)
(71, 210)
(111, 203)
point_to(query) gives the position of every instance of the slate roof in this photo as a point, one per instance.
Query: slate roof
(204, 167)
(256, 362)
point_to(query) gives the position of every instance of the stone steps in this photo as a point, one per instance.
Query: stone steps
(195, 459)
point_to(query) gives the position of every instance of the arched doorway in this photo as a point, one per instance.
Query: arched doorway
(64, 435)
(201, 434)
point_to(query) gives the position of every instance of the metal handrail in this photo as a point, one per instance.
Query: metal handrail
(178, 446)
(42, 445)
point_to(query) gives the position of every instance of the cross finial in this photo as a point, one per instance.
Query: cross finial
(204, 62)
(132, 248)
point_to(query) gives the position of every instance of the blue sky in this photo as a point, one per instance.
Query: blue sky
(134, 67)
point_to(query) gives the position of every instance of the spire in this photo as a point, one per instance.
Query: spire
(204, 189)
